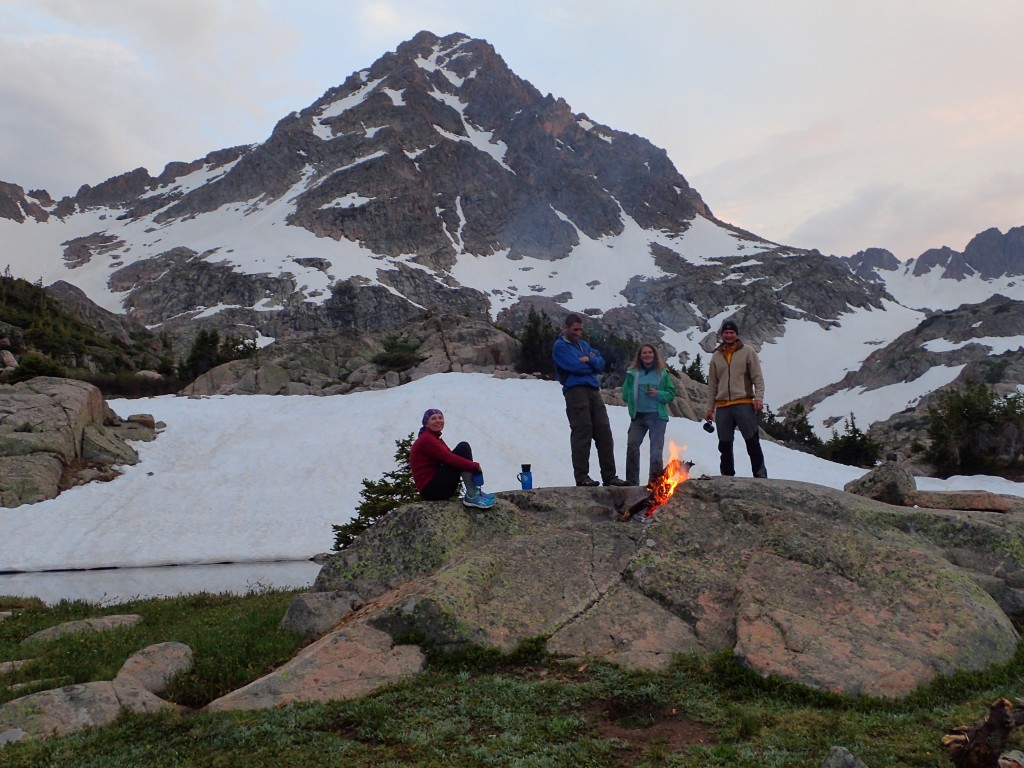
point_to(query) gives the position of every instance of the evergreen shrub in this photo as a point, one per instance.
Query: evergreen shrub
(393, 490)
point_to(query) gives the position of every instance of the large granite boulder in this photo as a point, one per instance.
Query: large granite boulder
(890, 482)
(826, 588)
(71, 708)
(55, 433)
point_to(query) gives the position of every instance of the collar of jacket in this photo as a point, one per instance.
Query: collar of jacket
(738, 344)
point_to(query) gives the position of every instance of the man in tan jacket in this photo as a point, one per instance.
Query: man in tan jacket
(735, 398)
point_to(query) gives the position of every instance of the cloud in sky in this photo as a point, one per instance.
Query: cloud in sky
(821, 125)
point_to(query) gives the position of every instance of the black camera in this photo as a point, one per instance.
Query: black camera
(709, 427)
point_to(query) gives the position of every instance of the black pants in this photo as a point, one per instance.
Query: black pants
(442, 486)
(743, 417)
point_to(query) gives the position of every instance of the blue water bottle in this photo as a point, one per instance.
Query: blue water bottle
(525, 478)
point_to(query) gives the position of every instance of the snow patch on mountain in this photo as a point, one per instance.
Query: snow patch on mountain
(871, 405)
(594, 272)
(997, 345)
(809, 357)
(931, 291)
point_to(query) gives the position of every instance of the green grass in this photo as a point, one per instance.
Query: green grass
(234, 641)
(474, 708)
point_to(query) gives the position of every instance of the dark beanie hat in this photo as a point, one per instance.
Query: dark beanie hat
(426, 415)
(730, 325)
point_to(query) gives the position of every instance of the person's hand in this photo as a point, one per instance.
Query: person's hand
(758, 405)
(708, 415)
(584, 359)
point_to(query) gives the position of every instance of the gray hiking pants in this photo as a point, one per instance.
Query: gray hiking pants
(588, 421)
(643, 424)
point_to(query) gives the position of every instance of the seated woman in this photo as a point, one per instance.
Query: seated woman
(436, 469)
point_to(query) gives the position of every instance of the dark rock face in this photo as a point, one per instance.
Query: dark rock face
(953, 265)
(832, 590)
(15, 205)
(78, 304)
(435, 150)
(988, 255)
(994, 254)
(342, 362)
(864, 263)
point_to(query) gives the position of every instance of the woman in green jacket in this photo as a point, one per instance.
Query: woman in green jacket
(647, 390)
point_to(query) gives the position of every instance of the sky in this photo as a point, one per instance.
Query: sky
(836, 126)
(259, 480)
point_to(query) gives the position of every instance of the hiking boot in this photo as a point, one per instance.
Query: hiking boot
(480, 501)
(613, 480)
(587, 482)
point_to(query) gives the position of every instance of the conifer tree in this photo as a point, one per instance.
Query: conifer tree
(695, 370)
(794, 428)
(975, 430)
(537, 339)
(853, 447)
(393, 490)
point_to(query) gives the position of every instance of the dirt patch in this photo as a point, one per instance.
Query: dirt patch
(664, 728)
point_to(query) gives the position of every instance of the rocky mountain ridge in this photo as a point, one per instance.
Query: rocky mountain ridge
(437, 182)
(990, 254)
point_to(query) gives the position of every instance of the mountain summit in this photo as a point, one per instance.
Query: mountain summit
(436, 180)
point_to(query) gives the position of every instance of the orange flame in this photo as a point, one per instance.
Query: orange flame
(663, 486)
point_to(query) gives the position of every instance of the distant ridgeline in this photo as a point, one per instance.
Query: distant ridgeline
(58, 332)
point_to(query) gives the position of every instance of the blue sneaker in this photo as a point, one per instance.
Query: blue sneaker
(480, 501)
(487, 495)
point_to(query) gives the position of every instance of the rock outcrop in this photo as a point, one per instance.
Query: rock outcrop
(345, 664)
(144, 674)
(890, 482)
(343, 362)
(825, 588)
(56, 433)
(829, 589)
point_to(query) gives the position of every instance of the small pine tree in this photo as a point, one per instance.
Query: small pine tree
(393, 490)
(398, 355)
(537, 339)
(771, 423)
(793, 428)
(208, 351)
(853, 447)
(695, 370)
(4, 280)
(33, 364)
(203, 355)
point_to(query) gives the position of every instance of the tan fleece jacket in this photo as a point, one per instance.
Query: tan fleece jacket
(734, 376)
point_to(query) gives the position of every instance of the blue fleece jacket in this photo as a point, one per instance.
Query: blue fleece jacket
(568, 367)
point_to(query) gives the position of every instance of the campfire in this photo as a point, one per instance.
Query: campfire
(661, 488)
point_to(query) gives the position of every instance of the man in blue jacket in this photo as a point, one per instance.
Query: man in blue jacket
(577, 365)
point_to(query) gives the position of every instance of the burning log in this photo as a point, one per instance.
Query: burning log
(661, 488)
